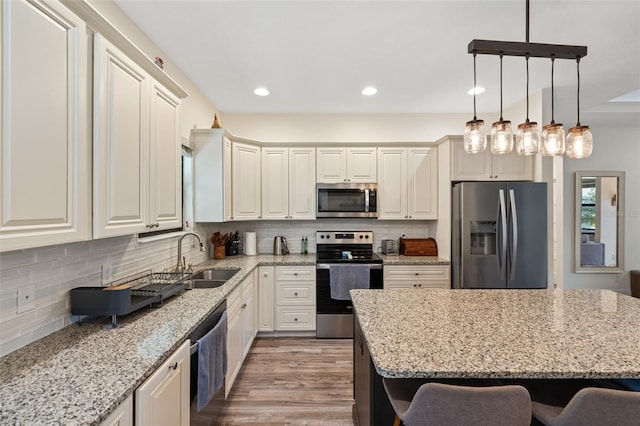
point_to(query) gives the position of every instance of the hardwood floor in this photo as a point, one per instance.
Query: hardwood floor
(292, 381)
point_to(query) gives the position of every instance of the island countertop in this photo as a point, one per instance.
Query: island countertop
(501, 333)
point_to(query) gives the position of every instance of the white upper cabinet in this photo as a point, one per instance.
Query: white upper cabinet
(346, 165)
(212, 171)
(408, 183)
(487, 166)
(245, 181)
(288, 183)
(45, 152)
(136, 175)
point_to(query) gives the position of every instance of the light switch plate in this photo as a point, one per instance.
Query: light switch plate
(26, 298)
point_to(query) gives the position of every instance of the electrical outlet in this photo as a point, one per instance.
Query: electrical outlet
(26, 299)
(107, 272)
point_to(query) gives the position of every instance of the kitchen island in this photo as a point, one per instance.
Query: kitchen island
(491, 334)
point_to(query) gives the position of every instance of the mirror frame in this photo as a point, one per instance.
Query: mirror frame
(578, 224)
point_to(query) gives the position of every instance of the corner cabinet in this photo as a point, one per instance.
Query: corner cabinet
(246, 181)
(45, 185)
(136, 155)
(408, 183)
(212, 175)
(164, 398)
(487, 166)
(288, 183)
(336, 165)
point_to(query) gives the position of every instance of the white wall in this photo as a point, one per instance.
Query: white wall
(614, 150)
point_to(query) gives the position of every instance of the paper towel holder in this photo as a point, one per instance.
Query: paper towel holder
(250, 242)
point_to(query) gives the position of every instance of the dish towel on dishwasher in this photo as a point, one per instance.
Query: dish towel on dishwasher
(212, 361)
(343, 278)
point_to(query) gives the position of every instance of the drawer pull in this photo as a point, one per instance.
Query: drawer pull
(173, 366)
(244, 305)
(295, 319)
(295, 294)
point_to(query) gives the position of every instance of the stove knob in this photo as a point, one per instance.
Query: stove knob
(361, 237)
(366, 237)
(322, 237)
(328, 236)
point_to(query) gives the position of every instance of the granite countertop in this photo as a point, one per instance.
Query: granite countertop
(413, 260)
(81, 373)
(501, 333)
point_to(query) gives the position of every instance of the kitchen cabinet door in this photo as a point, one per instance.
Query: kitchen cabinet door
(121, 143)
(302, 183)
(212, 175)
(332, 165)
(246, 181)
(45, 186)
(275, 183)
(422, 183)
(362, 165)
(392, 183)
(249, 312)
(164, 398)
(165, 169)
(266, 308)
(122, 415)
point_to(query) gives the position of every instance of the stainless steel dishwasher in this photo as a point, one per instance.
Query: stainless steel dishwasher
(205, 326)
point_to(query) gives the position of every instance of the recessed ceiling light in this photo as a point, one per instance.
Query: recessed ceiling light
(261, 91)
(476, 90)
(369, 91)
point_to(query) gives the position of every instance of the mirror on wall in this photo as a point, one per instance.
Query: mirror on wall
(599, 222)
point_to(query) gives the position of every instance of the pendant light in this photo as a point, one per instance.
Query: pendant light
(475, 135)
(501, 133)
(580, 140)
(528, 136)
(552, 133)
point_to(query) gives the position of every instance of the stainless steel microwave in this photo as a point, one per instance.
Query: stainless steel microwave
(347, 200)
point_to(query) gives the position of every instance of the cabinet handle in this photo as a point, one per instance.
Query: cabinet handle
(295, 273)
(417, 273)
(295, 294)
(157, 225)
(173, 366)
(244, 305)
(266, 275)
(295, 319)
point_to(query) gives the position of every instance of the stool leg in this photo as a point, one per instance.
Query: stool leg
(396, 421)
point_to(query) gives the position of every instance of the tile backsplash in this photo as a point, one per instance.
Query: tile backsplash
(54, 270)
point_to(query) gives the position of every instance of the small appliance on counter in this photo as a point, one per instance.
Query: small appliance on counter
(390, 247)
(418, 247)
(280, 246)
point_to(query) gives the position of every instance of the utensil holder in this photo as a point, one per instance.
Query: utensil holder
(218, 252)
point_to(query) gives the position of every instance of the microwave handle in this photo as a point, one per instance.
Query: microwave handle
(366, 201)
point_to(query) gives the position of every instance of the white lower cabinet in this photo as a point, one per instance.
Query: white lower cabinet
(295, 295)
(241, 327)
(416, 276)
(266, 289)
(163, 399)
(121, 416)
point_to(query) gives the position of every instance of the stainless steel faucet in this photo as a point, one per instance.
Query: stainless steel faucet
(181, 266)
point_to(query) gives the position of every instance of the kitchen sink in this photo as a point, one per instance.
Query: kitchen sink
(212, 278)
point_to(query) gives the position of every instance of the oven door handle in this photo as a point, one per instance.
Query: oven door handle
(328, 265)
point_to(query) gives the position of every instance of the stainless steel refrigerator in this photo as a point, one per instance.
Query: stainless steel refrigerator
(499, 235)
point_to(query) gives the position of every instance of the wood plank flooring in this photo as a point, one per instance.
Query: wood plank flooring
(295, 381)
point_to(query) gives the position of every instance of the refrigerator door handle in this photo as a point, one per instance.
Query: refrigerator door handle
(514, 237)
(502, 256)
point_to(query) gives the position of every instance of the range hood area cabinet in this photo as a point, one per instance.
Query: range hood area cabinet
(212, 175)
(45, 193)
(408, 183)
(354, 164)
(485, 166)
(288, 183)
(137, 173)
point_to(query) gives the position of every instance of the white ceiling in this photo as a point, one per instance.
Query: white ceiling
(317, 56)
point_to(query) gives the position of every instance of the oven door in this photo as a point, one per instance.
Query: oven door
(334, 318)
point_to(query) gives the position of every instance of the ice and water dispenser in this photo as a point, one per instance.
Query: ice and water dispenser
(483, 237)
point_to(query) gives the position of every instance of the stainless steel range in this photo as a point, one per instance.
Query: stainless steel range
(334, 317)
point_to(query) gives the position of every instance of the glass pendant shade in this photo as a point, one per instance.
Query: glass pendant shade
(475, 137)
(552, 140)
(579, 142)
(528, 138)
(501, 137)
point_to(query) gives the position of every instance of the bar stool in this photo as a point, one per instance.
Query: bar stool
(593, 407)
(437, 404)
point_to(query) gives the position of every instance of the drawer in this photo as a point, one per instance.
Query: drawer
(424, 285)
(296, 318)
(417, 273)
(296, 294)
(296, 273)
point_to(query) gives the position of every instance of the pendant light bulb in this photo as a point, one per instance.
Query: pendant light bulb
(552, 138)
(501, 133)
(528, 137)
(475, 135)
(580, 139)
